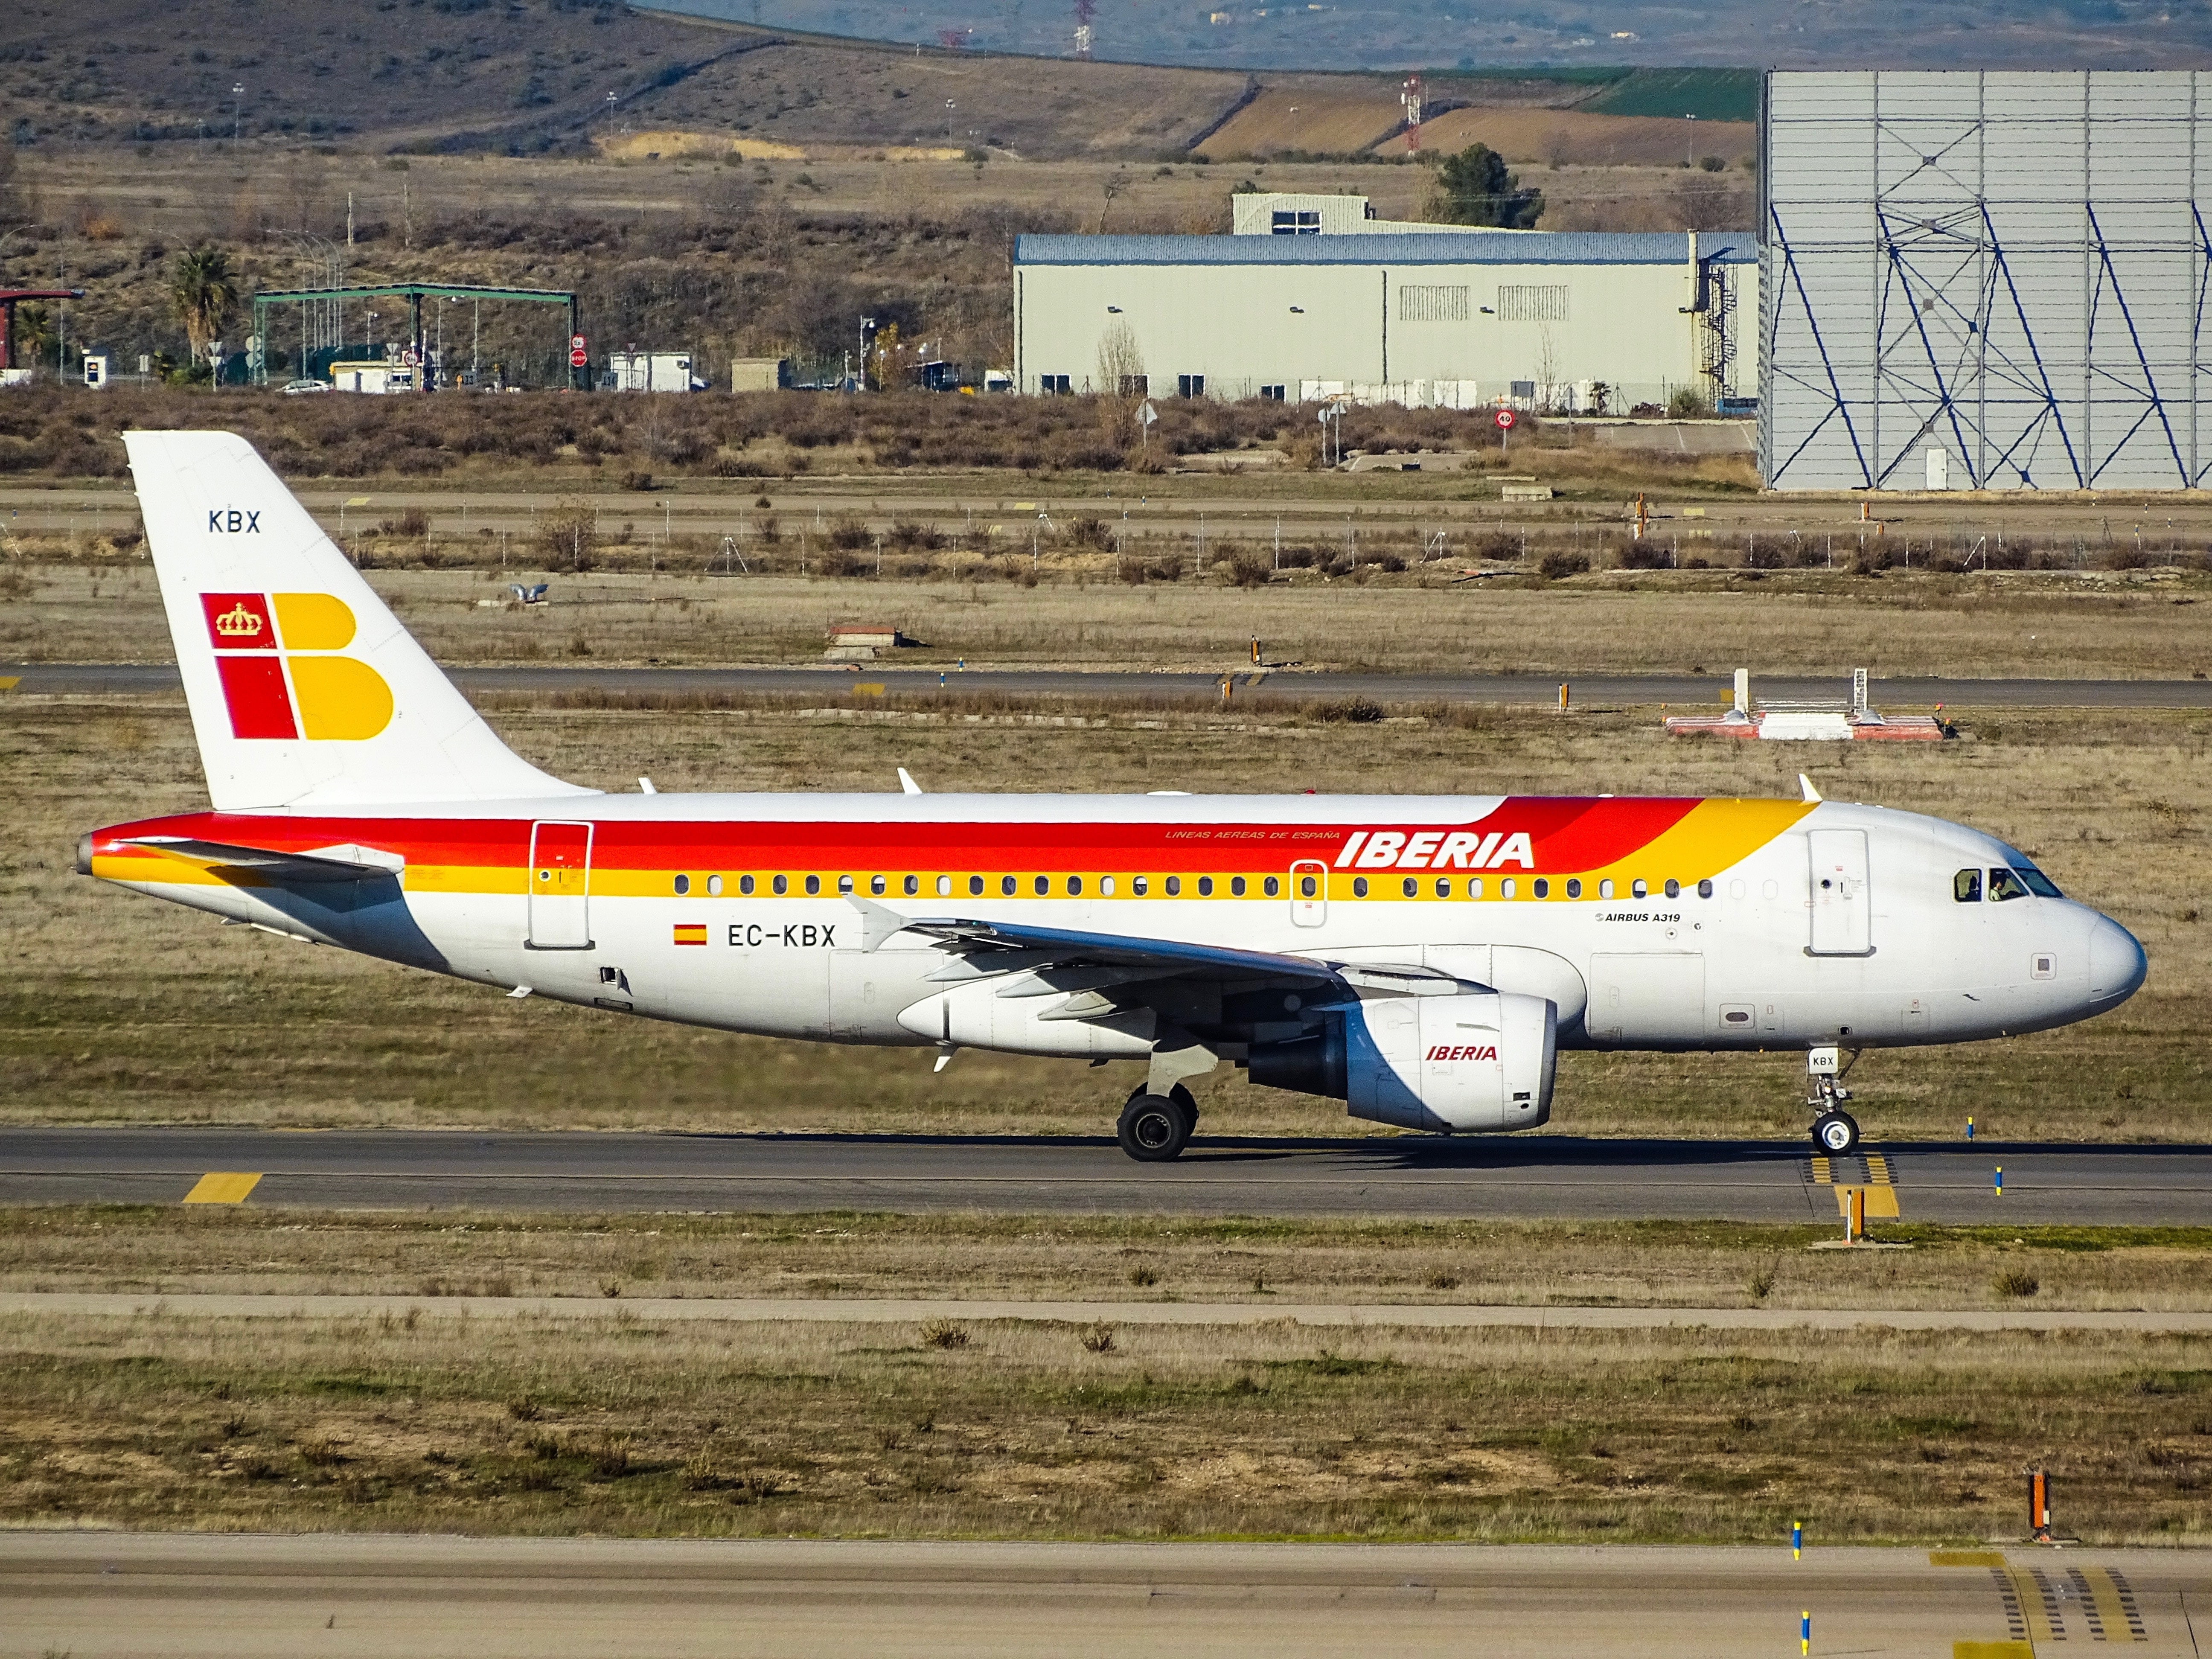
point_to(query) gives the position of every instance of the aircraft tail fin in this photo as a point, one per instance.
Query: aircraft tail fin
(303, 689)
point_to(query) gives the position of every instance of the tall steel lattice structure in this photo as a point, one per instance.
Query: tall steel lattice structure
(1983, 280)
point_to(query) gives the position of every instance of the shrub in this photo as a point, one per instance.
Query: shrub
(568, 535)
(2015, 1282)
(1769, 557)
(1642, 555)
(1099, 1338)
(1688, 404)
(1144, 1275)
(943, 1334)
(1555, 564)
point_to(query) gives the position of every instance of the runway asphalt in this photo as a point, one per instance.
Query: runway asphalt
(1899, 696)
(244, 1596)
(1532, 1178)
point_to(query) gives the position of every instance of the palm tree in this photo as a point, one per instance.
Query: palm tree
(35, 335)
(203, 289)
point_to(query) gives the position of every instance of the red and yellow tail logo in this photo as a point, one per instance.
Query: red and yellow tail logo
(280, 677)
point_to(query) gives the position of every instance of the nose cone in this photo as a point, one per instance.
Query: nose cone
(2116, 964)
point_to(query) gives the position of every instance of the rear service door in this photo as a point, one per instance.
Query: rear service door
(560, 887)
(1309, 893)
(1843, 922)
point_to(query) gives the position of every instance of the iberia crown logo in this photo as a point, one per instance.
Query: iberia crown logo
(276, 656)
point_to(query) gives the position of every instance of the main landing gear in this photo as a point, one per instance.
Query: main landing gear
(1835, 1131)
(1155, 1129)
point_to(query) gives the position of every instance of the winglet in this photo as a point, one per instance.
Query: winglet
(907, 784)
(1812, 795)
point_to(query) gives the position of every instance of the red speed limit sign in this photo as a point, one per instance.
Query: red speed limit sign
(576, 356)
(1505, 420)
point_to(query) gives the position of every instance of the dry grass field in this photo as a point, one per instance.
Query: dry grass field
(170, 1251)
(622, 1425)
(2035, 625)
(1309, 119)
(120, 1009)
(1567, 138)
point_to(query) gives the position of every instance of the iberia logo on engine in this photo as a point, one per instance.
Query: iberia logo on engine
(1465, 1051)
(276, 654)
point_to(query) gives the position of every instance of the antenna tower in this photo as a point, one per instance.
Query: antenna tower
(1411, 98)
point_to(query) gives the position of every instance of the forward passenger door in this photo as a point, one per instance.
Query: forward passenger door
(1842, 907)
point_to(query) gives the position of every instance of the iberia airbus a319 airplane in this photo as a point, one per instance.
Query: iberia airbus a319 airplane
(1422, 958)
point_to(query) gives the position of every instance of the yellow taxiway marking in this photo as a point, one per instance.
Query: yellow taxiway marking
(1991, 1651)
(222, 1186)
(1878, 1170)
(1823, 1173)
(9, 682)
(1965, 1558)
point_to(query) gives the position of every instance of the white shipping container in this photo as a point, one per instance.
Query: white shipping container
(651, 371)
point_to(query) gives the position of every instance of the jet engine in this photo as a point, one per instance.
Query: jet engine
(1477, 1060)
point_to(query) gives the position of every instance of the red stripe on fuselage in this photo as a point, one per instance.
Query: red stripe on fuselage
(1567, 834)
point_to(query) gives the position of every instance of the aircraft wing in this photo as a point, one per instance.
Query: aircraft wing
(1126, 958)
(1066, 948)
(325, 863)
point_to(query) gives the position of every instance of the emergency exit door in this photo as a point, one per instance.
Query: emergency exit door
(560, 887)
(1308, 894)
(1842, 908)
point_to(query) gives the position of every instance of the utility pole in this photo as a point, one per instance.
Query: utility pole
(237, 109)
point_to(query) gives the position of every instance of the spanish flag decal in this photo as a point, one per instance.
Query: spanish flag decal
(690, 933)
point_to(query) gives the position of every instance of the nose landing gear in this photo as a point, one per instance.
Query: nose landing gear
(1834, 1130)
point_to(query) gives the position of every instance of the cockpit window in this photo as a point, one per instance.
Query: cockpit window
(2006, 884)
(2038, 883)
(1966, 887)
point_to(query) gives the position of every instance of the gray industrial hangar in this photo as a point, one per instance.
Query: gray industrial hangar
(1978, 280)
(1419, 315)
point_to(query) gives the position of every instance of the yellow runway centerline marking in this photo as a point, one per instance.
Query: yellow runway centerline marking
(2112, 1604)
(1991, 1651)
(1823, 1173)
(222, 1186)
(1878, 1170)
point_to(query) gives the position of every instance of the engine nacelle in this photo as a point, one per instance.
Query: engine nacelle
(1482, 1061)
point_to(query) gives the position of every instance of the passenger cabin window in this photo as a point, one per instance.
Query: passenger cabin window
(1006, 885)
(683, 885)
(1673, 888)
(877, 885)
(1205, 886)
(813, 886)
(1075, 886)
(782, 885)
(1309, 885)
(845, 885)
(975, 886)
(1411, 886)
(1237, 887)
(1043, 885)
(1360, 887)
(745, 885)
(1140, 886)
(1273, 886)
(913, 885)
(1966, 887)
(2006, 884)
(1175, 885)
(1542, 888)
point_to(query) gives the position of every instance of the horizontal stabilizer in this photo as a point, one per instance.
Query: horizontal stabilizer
(326, 864)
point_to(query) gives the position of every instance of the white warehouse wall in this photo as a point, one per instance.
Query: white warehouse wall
(1494, 307)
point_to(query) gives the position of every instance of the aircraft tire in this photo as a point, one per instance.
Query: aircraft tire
(1835, 1134)
(1153, 1128)
(1183, 1097)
